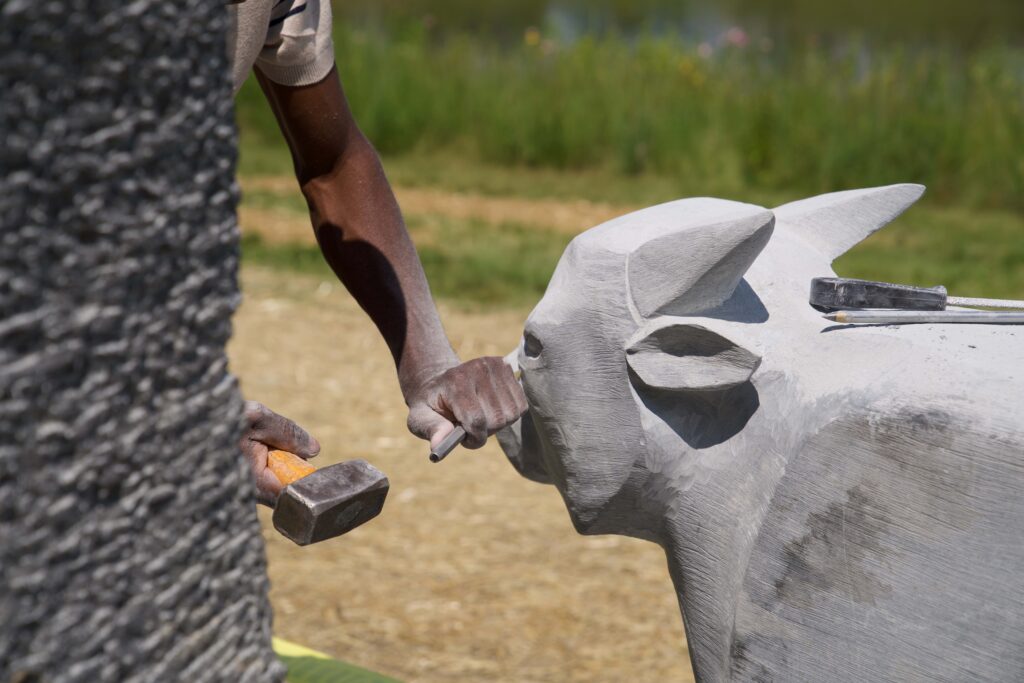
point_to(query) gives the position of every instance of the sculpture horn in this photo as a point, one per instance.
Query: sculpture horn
(834, 223)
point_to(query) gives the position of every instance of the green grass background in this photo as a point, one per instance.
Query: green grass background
(804, 119)
(474, 263)
(643, 119)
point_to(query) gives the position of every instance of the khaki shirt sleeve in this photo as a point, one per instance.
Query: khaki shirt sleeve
(299, 49)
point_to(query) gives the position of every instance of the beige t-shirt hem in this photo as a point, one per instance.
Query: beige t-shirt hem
(300, 74)
(288, 40)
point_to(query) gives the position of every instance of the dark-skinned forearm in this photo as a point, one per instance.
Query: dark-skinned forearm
(359, 226)
(362, 235)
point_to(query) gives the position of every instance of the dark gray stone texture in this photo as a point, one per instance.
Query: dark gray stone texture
(129, 544)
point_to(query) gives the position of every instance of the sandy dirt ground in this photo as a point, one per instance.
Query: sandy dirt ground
(471, 573)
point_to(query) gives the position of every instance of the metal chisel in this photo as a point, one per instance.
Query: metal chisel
(447, 445)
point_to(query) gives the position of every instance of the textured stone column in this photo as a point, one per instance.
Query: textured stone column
(129, 544)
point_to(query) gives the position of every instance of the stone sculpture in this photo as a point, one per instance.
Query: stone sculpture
(835, 503)
(129, 544)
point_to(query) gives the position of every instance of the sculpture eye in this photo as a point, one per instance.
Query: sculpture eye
(531, 345)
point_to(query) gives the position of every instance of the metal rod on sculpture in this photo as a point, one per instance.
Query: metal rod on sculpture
(893, 317)
(977, 302)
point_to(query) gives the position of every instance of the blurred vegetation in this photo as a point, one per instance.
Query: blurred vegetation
(481, 264)
(716, 119)
(633, 102)
(467, 261)
(951, 22)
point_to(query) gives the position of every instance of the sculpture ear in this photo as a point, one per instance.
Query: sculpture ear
(693, 270)
(689, 357)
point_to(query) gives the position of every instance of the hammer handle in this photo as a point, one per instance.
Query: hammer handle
(288, 467)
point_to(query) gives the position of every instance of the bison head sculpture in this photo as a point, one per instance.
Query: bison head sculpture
(682, 391)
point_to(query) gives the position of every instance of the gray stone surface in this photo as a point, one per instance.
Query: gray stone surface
(129, 545)
(836, 503)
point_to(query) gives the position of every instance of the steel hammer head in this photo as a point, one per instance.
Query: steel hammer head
(330, 501)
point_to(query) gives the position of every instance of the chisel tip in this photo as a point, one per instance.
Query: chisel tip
(447, 445)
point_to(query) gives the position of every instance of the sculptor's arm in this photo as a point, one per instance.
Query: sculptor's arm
(362, 235)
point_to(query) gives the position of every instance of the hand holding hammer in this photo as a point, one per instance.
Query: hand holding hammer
(310, 504)
(317, 504)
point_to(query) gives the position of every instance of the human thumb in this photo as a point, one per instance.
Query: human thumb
(428, 424)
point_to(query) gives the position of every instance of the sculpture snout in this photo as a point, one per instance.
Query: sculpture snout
(521, 444)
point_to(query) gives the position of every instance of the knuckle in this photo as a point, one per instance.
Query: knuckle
(477, 423)
(254, 409)
(462, 402)
(293, 430)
